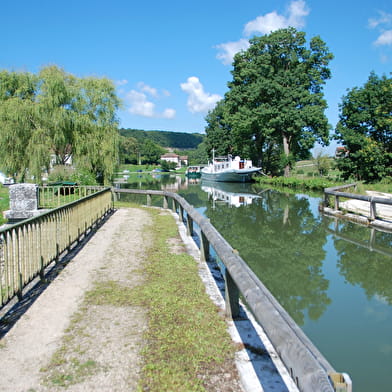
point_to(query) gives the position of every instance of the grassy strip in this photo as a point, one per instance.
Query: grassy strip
(311, 184)
(187, 343)
(187, 338)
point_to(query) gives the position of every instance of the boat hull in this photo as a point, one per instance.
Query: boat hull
(229, 175)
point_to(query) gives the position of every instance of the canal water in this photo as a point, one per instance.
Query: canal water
(333, 277)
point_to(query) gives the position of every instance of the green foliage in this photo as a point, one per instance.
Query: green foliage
(128, 150)
(313, 184)
(322, 163)
(164, 138)
(365, 128)
(166, 166)
(274, 109)
(150, 152)
(198, 156)
(55, 114)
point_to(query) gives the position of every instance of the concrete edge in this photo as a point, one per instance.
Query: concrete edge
(250, 380)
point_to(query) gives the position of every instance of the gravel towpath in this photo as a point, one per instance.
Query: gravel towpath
(111, 335)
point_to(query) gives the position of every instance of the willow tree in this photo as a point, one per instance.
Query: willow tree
(17, 121)
(275, 100)
(96, 140)
(49, 118)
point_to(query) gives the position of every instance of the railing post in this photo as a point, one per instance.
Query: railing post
(204, 247)
(373, 212)
(174, 206)
(326, 199)
(336, 207)
(232, 296)
(181, 213)
(189, 225)
(372, 239)
(148, 200)
(165, 202)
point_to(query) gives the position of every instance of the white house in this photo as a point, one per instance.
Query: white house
(177, 159)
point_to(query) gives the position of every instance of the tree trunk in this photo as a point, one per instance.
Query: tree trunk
(286, 149)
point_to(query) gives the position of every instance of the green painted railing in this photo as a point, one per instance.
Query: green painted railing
(28, 247)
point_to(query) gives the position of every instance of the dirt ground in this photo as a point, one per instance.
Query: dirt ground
(109, 338)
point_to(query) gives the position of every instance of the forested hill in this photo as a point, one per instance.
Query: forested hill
(180, 140)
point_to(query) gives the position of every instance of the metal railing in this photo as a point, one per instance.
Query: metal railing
(337, 193)
(28, 247)
(51, 196)
(307, 366)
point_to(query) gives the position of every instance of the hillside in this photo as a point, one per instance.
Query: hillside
(180, 140)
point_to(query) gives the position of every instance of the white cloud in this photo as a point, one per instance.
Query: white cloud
(169, 113)
(384, 18)
(382, 23)
(148, 89)
(140, 105)
(121, 82)
(384, 38)
(198, 99)
(265, 24)
(229, 49)
(297, 13)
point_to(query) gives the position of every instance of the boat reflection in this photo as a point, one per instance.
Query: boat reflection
(233, 194)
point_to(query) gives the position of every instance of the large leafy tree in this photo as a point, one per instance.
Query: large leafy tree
(55, 114)
(365, 128)
(275, 106)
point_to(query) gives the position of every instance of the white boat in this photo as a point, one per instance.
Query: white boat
(227, 169)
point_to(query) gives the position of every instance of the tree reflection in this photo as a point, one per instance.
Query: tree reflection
(282, 242)
(360, 265)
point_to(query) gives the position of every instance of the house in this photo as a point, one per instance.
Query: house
(341, 152)
(177, 159)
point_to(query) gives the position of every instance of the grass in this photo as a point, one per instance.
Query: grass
(187, 337)
(4, 202)
(308, 184)
(187, 342)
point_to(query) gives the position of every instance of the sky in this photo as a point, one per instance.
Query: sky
(171, 60)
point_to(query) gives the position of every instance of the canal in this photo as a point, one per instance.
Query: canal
(333, 277)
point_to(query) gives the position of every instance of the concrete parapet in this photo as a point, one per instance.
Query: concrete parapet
(23, 202)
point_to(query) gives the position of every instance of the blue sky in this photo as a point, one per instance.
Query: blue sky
(171, 60)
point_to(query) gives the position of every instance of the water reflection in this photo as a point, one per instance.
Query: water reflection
(232, 194)
(365, 259)
(282, 242)
(333, 277)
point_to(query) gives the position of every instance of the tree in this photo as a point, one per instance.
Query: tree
(17, 96)
(128, 149)
(322, 163)
(218, 131)
(150, 152)
(365, 129)
(56, 114)
(274, 107)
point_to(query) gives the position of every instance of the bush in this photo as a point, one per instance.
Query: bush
(68, 173)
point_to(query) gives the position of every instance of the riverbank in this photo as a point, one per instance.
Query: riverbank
(89, 329)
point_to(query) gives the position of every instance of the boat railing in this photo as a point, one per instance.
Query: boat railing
(307, 366)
